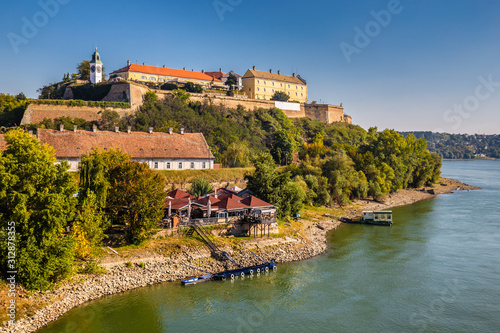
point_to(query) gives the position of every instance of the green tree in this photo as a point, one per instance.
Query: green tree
(94, 174)
(88, 228)
(231, 81)
(83, 70)
(36, 194)
(12, 109)
(280, 96)
(200, 187)
(238, 155)
(193, 87)
(137, 197)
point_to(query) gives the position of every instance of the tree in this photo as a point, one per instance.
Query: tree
(137, 197)
(83, 70)
(88, 228)
(12, 109)
(193, 88)
(238, 155)
(37, 194)
(200, 187)
(231, 81)
(280, 96)
(94, 174)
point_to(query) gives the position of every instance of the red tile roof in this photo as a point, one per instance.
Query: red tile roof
(175, 194)
(230, 195)
(230, 204)
(138, 144)
(166, 72)
(177, 203)
(204, 201)
(216, 75)
(255, 202)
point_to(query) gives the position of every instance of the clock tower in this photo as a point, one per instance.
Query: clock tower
(95, 68)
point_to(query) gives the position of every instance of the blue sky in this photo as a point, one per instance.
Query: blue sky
(408, 64)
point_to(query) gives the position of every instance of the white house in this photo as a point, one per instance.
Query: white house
(161, 151)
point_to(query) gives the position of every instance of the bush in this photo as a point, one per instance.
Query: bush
(129, 264)
(169, 86)
(92, 267)
(193, 88)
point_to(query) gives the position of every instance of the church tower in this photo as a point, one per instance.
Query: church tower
(95, 68)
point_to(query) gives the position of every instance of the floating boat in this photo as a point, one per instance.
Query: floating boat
(198, 279)
(383, 217)
(241, 272)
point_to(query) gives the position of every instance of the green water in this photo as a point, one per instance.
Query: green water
(437, 269)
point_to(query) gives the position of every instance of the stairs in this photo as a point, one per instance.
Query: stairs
(205, 236)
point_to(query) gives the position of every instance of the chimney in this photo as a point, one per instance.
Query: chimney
(293, 74)
(220, 70)
(203, 71)
(170, 130)
(117, 129)
(74, 128)
(271, 71)
(163, 66)
(253, 67)
(144, 63)
(94, 128)
(184, 68)
(129, 128)
(181, 130)
(128, 62)
(61, 127)
(279, 72)
(150, 130)
(192, 70)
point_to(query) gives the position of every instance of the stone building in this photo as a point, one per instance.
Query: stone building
(161, 151)
(263, 85)
(143, 73)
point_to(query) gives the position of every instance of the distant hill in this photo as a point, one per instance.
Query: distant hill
(461, 146)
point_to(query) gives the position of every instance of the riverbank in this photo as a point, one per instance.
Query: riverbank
(307, 240)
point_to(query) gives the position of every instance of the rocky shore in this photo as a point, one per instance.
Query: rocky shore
(155, 268)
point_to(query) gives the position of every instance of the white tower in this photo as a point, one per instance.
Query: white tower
(95, 68)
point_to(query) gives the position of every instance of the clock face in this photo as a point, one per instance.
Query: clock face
(92, 68)
(98, 69)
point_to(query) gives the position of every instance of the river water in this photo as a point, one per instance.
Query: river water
(437, 269)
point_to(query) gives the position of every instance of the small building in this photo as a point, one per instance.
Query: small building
(224, 76)
(160, 75)
(161, 151)
(263, 85)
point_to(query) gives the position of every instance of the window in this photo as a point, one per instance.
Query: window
(302, 88)
(281, 84)
(192, 165)
(296, 94)
(288, 93)
(288, 86)
(156, 165)
(161, 80)
(273, 84)
(152, 79)
(258, 81)
(168, 165)
(301, 94)
(297, 87)
(273, 90)
(144, 77)
(134, 75)
(180, 165)
(264, 89)
(265, 83)
(204, 165)
(258, 89)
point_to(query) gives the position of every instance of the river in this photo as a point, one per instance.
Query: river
(437, 269)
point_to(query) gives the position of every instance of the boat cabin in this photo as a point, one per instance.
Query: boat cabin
(378, 216)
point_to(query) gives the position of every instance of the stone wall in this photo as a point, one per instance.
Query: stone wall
(36, 113)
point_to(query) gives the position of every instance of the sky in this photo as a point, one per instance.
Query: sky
(409, 65)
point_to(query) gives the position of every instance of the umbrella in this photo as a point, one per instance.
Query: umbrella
(189, 208)
(169, 207)
(209, 211)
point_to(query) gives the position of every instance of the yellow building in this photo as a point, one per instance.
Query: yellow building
(143, 73)
(263, 85)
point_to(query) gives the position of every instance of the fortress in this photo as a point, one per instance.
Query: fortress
(133, 93)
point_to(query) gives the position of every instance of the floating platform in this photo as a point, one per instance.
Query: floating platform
(383, 217)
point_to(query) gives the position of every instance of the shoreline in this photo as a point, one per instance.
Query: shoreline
(310, 242)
